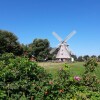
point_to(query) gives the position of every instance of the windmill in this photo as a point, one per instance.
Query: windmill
(64, 53)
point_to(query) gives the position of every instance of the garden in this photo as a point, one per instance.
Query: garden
(22, 79)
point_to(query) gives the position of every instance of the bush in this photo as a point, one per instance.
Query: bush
(89, 78)
(18, 76)
(21, 79)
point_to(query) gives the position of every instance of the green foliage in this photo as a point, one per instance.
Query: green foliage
(89, 77)
(99, 58)
(86, 57)
(86, 95)
(9, 43)
(90, 65)
(27, 50)
(80, 88)
(17, 77)
(7, 56)
(21, 79)
(80, 59)
(40, 49)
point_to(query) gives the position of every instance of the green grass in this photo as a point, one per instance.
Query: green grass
(76, 68)
(97, 71)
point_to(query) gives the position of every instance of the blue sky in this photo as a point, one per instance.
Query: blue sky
(30, 19)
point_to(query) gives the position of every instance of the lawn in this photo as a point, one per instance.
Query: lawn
(76, 68)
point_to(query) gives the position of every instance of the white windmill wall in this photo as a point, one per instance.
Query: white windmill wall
(63, 53)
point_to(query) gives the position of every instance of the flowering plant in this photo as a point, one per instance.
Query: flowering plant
(77, 78)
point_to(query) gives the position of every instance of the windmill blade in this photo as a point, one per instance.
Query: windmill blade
(57, 36)
(69, 36)
(52, 50)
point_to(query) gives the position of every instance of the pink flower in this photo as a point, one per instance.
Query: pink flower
(46, 92)
(61, 90)
(77, 78)
(50, 82)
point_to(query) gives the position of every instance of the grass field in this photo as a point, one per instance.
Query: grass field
(76, 68)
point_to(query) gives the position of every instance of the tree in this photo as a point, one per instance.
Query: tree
(86, 57)
(40, 48)
(80, 58)
(9, 43)
(99, 58)
(26, 50)
(93, 56)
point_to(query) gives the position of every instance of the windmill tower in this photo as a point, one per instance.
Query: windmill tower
(64, 54)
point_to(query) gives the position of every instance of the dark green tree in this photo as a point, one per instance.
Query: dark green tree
(93, 56)
(9, 43)
(40, 48)
(80, 58)
(86, 57)
(99, 58)
(26, 50)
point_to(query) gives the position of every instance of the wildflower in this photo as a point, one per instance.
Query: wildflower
(46, 92)
(61, 90)
(77, 78)
(50, 82)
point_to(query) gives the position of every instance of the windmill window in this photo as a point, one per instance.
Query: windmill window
(62, 54)
(62, 49)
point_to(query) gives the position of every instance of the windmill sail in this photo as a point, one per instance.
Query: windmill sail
(57, 36)
(52, 50)
(69, 36)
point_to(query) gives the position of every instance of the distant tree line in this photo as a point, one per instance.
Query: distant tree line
(39, 48)
(86, 57)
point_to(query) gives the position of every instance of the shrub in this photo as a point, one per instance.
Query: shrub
(18, 76)
(89, 78)
(21, 79)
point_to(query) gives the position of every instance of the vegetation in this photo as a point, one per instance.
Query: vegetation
(9, 43)
(21, 79)
(40, 49)
(77, 68)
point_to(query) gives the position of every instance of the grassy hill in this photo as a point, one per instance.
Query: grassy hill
(77, 68)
